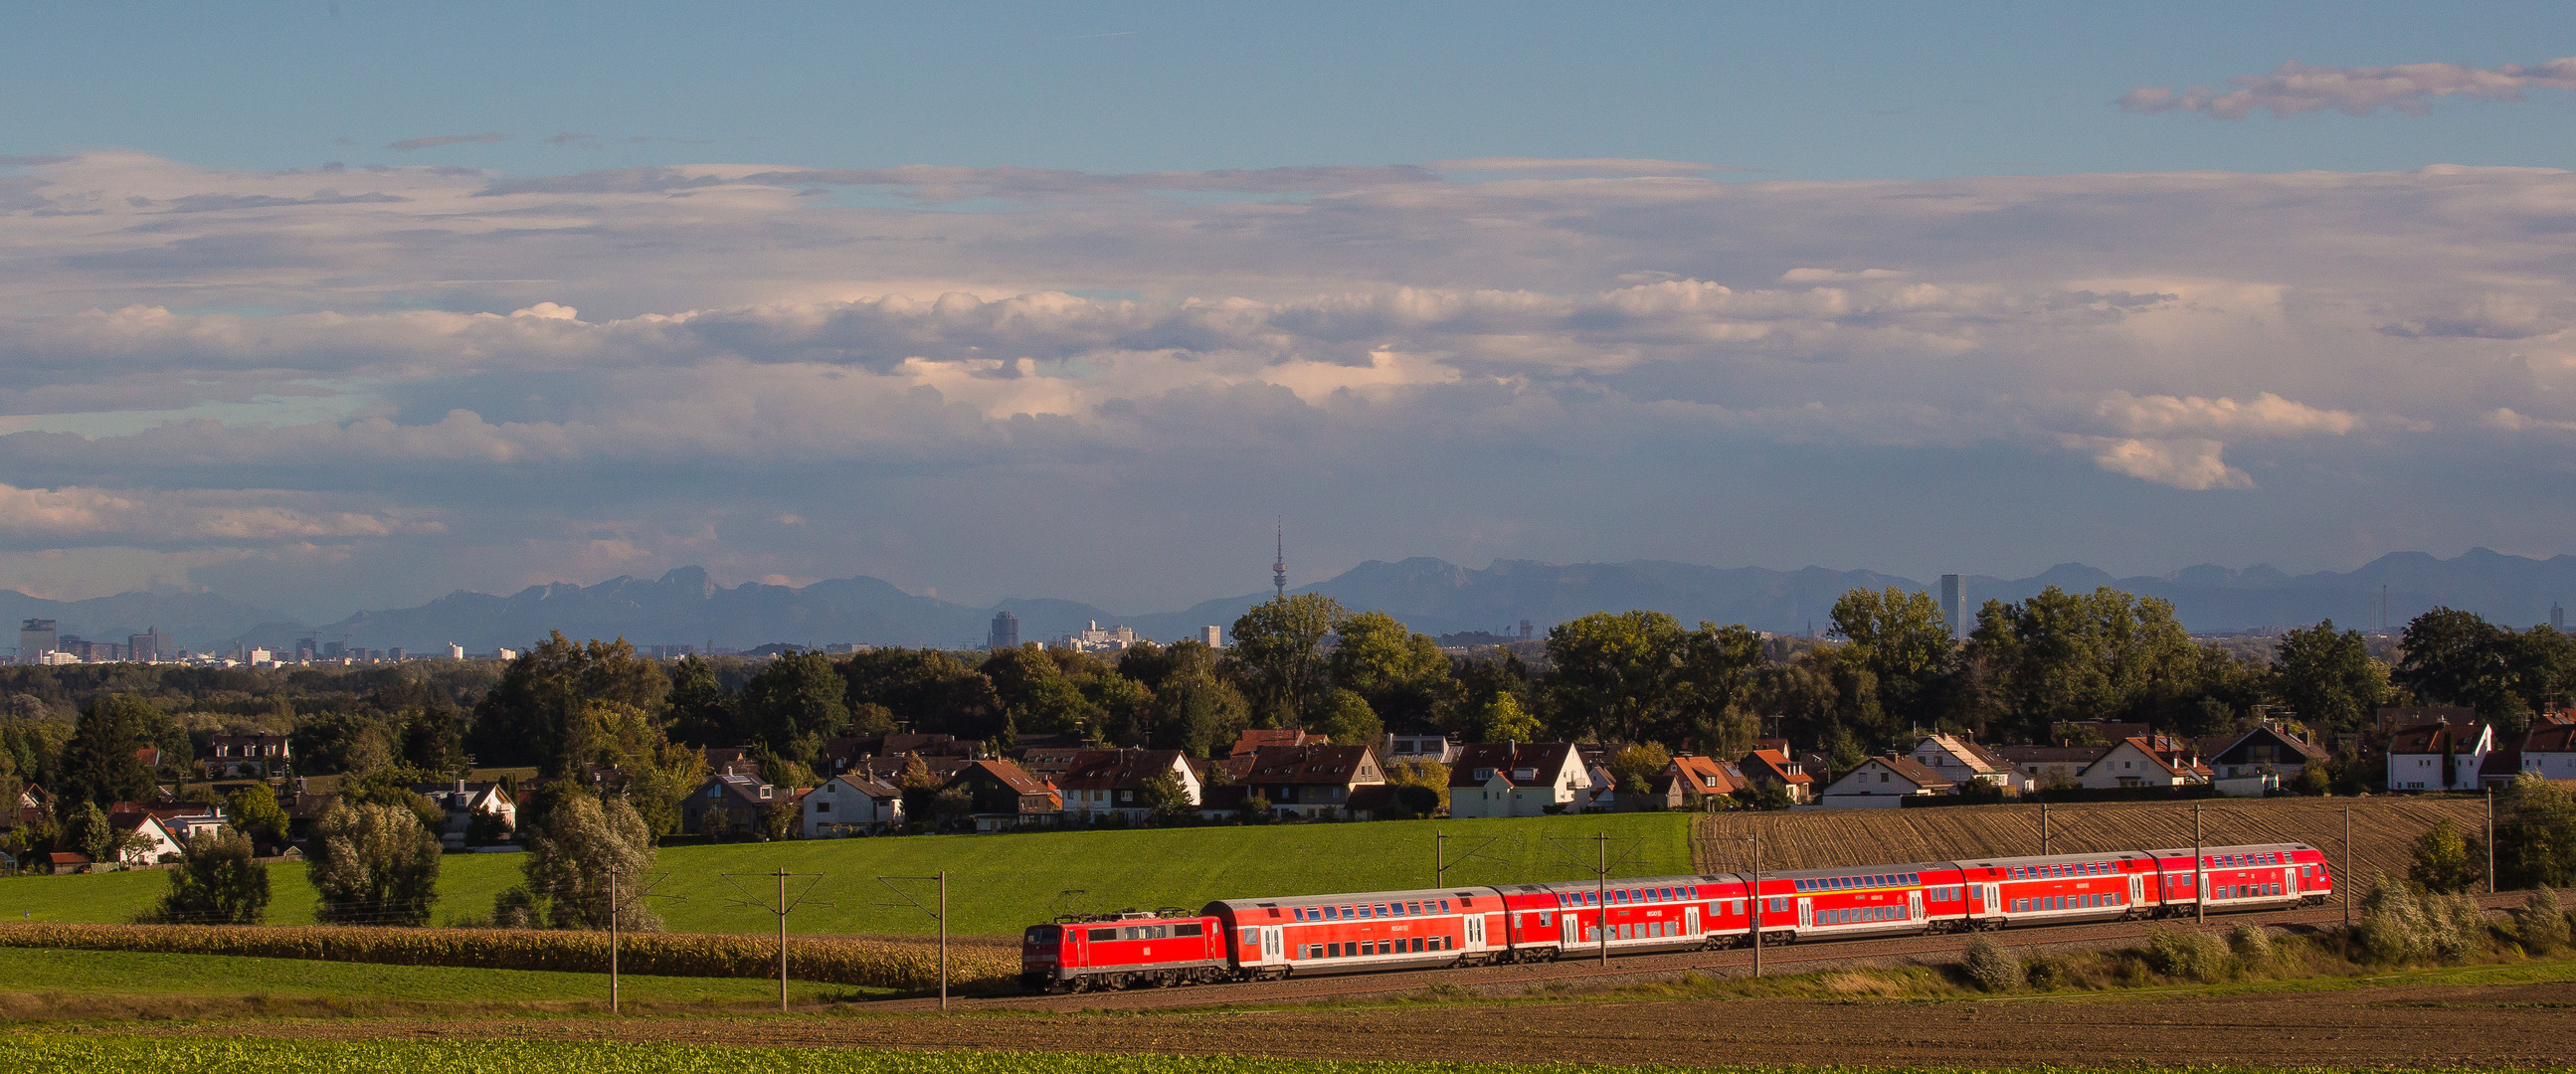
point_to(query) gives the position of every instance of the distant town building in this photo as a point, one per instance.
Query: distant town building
(1095, 638)
(35, 640)
(1214, 636)
(149, 647)
(455, 651)
(1954, 605)
(1005, 633)
(2557, 617)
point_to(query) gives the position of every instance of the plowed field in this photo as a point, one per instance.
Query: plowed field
(2382, 829)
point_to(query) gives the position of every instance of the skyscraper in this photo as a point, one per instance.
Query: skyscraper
(1954, 605)
(1214, 636)
(35, 640)
(1006, 632)
(149, 646)
(2557, 617)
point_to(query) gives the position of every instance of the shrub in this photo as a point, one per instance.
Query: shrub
(2190, 956)
(2250, 943)
(2444, 863)
(2539, 924)
(2401, 925)
(1991, 967)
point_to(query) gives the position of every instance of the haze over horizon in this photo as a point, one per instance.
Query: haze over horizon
(352, 305)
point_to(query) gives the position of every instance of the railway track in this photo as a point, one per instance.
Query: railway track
(1793, 958)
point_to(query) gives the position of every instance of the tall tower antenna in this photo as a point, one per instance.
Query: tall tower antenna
(1279, 566)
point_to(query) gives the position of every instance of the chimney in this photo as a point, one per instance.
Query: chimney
(460, 785)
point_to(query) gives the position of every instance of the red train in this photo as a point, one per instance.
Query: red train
(1308, 935)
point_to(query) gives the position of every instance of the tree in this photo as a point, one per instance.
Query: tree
(2328, 678)
(1166, 799)
(99, 765)
(1280, 644)
(2445, 864)
(2452, 657)
(342, 742)
(1402, 675)
(1719, 667)
(1347, 720)
(572, 855)
(1420, 786)
(1501, 720)
(527, 718)
(254, 813)
(1200, 713)
(2106, 654)
(700, 712)
(85, 829)
(433, 742)
(655, 787)
(927, 691)
(2536, 834)
(1633, 769)
(1904, 641)
(1614, 676)
(373, 865)
(795, 703)
(217, 884)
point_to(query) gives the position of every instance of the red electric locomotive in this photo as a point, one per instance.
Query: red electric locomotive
(1130, 950)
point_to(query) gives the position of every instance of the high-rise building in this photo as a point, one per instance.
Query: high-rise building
(35, 640)
(305, 650)
(1954, 605)
(1525, 630)
(2557, 617)
(150, 646)
(1005, 633)
(1213, 635)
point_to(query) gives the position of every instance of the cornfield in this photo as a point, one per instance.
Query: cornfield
(900, 965)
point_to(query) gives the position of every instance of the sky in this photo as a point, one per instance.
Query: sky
(344, 305)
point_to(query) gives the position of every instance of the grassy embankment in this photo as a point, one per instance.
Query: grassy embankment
(998, 884)
(36, 982)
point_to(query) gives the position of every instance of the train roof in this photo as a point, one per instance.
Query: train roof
(2232, 848)
(1860, 870)
(1460, 894)
(2056, 859)
(1554, 886)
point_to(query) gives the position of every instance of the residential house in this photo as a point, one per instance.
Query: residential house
(2548, 751)
(852, 805)
(1006, 796)
(730, 761)
(1099, 784)
(2440, 756)
(1049, 760)
(2267, 749)
(1313, 781)
(2109, 732)
(735, 798)
(156, 841)
(1518, 779)
(181, 820)
(1961, 761)
(2147, 761)
(2051, 766)
(31, 808)
(1884, 783)
(463, 801)
(1696, 783)
(1770, 767)
(247, 756)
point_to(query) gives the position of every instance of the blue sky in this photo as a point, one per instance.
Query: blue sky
(1823, 91)
(340, 306)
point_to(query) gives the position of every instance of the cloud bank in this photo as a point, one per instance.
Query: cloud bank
(329, 389)
(2294, 87)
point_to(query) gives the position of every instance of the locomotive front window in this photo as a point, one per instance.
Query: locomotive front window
(1044, 933)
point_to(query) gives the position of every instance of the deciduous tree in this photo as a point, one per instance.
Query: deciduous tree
(1280, 645)
(373, 865)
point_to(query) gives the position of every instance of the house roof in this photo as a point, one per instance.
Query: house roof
(1008, 773)
(873, 788)
(2503, 761)
(1543, 759)
(1703, 775)
(1977, 758)
(2435, 738)
(1254, 740)
(1302, 765)
(1102, 770)
(747, 788)
(2176, 756)
(2549, 738)
(1912, 771)
(1774, 764)
(2306, 750)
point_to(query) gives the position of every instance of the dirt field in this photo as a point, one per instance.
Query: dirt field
(2505, 1025)
(2382, 829)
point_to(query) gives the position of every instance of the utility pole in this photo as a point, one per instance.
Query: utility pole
(782, 939)
(2341, 883)
(2199, 875)
(612, 941)
(2043, 829)
(941, 914)
(1757, 899)
(782, 908)
(1439, 866)
(1600, 889)
(2491, 888)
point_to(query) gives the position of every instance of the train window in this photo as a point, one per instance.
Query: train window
(1332, 950)
(1413, 907)
(1444, 906)
(1103, 935)
(1179, 931)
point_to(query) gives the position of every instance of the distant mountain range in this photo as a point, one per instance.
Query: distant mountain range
(1430, 595)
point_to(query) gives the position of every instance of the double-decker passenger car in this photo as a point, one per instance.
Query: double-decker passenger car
(1376, 930)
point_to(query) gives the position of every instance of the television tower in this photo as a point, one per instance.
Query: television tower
(1279, 566)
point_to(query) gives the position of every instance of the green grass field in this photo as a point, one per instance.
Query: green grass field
(119, 973)
(198, 1056)
(1000, 883)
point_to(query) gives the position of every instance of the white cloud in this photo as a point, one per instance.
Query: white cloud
(637, 369)
(2293, 88)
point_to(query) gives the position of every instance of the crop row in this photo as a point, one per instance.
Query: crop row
(865, 963)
